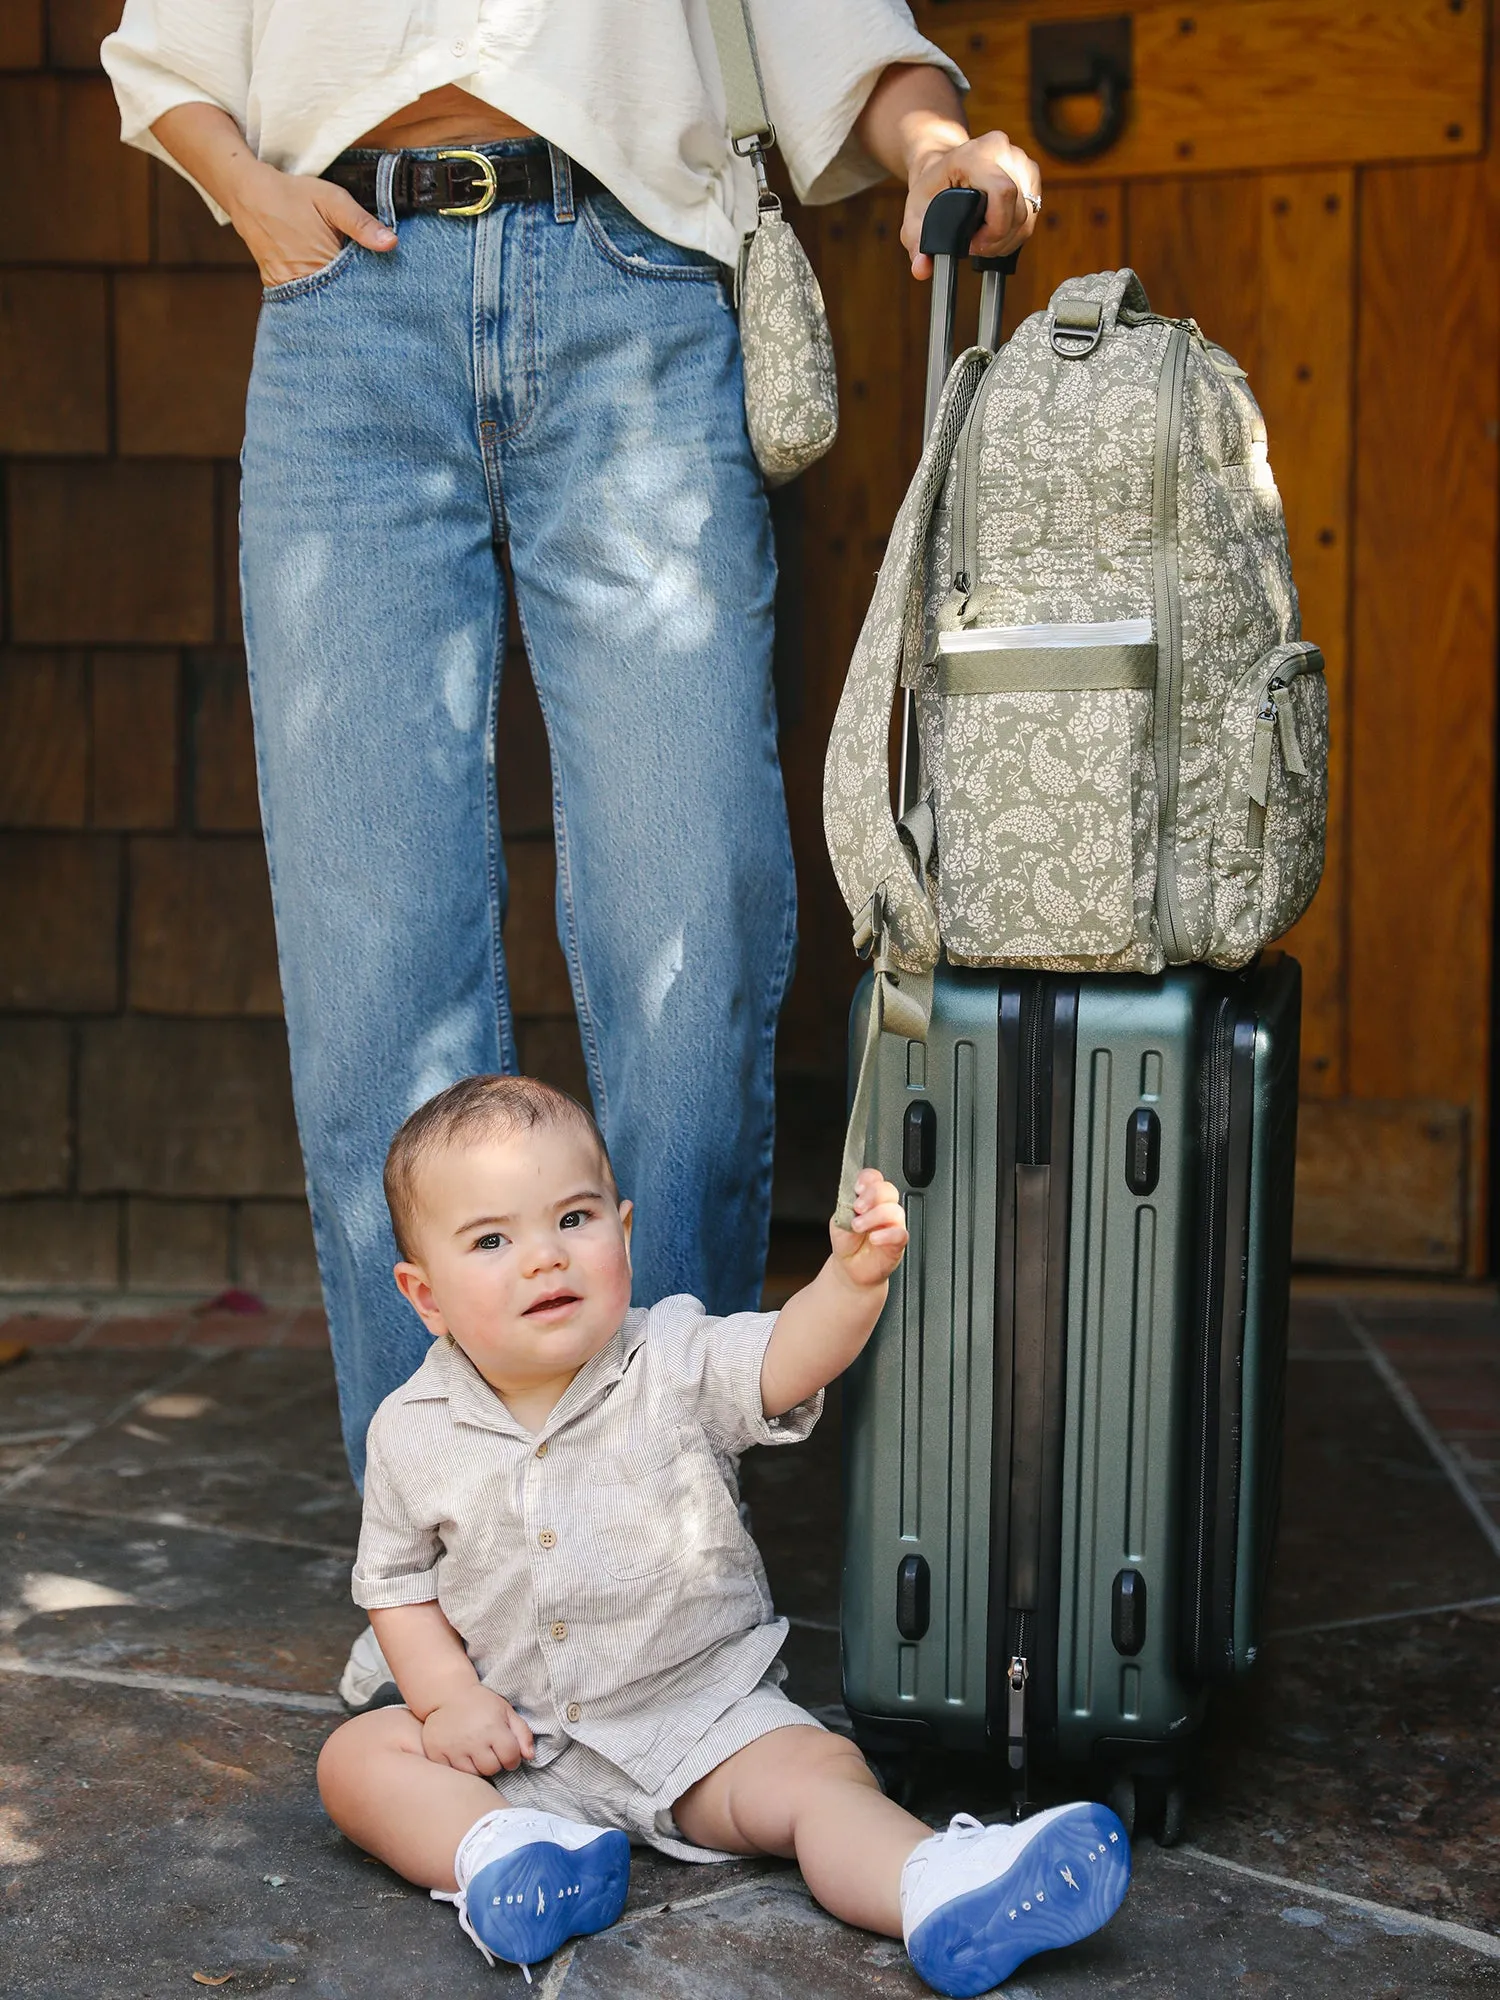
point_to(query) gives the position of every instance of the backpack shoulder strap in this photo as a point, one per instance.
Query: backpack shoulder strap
(869, 857)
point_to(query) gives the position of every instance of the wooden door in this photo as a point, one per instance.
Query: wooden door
(1312, 181)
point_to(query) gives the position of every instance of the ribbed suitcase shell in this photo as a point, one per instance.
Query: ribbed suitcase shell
(1070, 1368)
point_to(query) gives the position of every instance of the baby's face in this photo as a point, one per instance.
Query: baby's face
(522, 1254)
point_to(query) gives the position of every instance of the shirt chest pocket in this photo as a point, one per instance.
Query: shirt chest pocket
(657, 1507)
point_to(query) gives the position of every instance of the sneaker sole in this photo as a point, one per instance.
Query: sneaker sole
(531, 1901)
(1066, 1885)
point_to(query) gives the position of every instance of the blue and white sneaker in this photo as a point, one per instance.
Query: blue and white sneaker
(529, 1881)
(977, 1900)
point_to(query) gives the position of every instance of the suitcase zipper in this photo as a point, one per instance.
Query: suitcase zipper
(966, 497)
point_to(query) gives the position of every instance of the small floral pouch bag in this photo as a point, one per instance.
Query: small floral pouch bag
(791, 390)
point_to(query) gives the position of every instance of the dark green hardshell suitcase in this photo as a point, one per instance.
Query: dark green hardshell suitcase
(1062, 1444)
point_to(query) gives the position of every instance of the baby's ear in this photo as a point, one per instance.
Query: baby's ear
(411, 1282)
(627, 1220)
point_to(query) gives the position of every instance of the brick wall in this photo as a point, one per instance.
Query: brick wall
(146, 1135)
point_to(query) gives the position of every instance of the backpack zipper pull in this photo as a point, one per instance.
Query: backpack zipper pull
(1259, 788)
(1260, 756)
(1291, 747)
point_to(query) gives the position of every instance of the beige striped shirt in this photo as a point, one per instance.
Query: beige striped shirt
(596, 1569)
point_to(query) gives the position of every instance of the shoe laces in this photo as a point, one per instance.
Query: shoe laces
(962, 1827)
(459, 1897)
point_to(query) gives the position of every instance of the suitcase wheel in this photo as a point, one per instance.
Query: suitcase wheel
(1151, 1805)
(1122, 1803)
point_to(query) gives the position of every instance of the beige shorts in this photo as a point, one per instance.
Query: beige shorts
(580, 1784)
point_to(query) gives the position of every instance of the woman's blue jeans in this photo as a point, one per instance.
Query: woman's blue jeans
(557, 379)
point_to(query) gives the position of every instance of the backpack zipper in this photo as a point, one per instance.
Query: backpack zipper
(966, 481)
(1167, 718)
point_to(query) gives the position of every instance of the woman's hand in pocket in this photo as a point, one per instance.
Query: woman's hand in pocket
(294, 224)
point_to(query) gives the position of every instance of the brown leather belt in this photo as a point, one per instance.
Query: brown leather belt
(460, 180)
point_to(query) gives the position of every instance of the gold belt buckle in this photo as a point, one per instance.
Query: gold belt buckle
(486, 167)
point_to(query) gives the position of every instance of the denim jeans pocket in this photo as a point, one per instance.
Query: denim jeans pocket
(631, 246)
(311, 281)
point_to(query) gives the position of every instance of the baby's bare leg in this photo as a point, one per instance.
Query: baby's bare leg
(809, 1795)
(379, 1789)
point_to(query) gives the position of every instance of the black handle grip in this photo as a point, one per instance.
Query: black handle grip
(1006, 265)
(950, 222)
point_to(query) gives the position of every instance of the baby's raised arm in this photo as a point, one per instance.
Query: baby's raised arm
(821, 1329)
(464, 1724)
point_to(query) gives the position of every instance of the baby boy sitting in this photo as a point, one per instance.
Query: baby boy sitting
(578, 1622)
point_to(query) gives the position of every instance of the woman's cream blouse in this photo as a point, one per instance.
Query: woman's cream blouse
(630, 88)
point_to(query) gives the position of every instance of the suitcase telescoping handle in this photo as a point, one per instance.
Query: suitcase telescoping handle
(948, 228)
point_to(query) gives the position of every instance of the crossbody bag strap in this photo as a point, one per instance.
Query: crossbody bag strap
(745, 99)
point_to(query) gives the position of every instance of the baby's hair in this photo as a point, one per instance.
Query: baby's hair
(477, 1107)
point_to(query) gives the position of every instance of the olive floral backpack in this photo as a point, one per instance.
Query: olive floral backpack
(1123, 736)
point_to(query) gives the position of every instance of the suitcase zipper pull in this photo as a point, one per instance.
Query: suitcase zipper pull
(1017, 1675)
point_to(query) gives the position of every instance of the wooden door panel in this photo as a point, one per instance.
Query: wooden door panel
(1362, 302)
(1246, 84)
(1421, 798)
(1305, 382)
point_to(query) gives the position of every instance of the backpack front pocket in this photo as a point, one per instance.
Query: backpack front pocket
(1269, 833)
(1045, 794)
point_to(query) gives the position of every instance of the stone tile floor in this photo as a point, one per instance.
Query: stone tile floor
(175, 1532)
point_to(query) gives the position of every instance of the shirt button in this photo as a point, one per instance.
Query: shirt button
(541, 1450)
(573, 1711)
(547, 1539)
(559, 1630)
(460, 47)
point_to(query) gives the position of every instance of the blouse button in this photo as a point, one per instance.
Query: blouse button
(547, 1539)
(460, 47)
(541, 1450)
(573, 1711)
(559, 1630)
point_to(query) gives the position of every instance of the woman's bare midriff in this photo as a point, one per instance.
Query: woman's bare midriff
(446, 117)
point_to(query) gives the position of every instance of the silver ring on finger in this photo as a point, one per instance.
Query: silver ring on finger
(1034, 201)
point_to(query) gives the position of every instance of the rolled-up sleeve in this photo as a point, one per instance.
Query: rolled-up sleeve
(399, 1546)
(715, 1368)
(170, 52)
(819, 64)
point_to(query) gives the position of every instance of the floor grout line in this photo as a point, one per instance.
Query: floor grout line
(695, 1902)
(1384, 1617)
(1412, 1410)
(1486, 1943)
(179, 1524)
(556, 1973)
(203, 1690)
(161, 1384)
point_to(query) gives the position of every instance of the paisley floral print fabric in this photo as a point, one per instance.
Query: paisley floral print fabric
(1101, 478)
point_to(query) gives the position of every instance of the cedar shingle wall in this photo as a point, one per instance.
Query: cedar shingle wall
(146, 1134)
